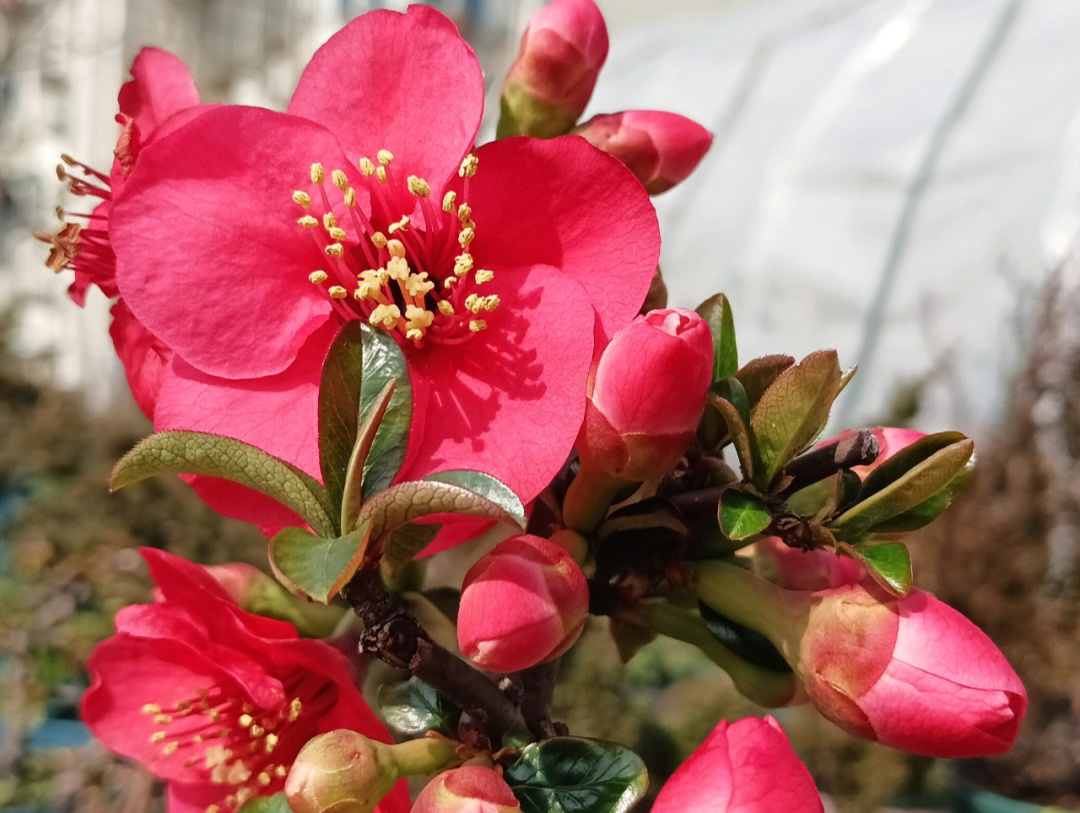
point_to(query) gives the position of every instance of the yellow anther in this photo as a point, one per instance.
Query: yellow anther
(170, 747)
(449, 282)
(399, 225)
(256, 731)
(464, 212)
(371, 283)
(158, 736)
(318, 174)
(379, 239)
(302, 198)
(483, 275)
(448, 201)
(465, 236)
(445, 308)
(317, 277)
(414, 334)
(337, 292)
(385, 157)
(329, 221)
(419, 187)
(245, 720)
(396, 248)
(491, 302)
(271, 741)
(213, 809)
(417, 319)
(476, 325)
(419, 285)
(386, 316)
(380, 173)
(217, 755)
(162, 719)
(468, 168)
(335, 249)
(463, 264)
(472, 302)
(337, 234)
(350, 197)
(308, 222)
(151, 708)
(280, 772)
(294, 709)
(398, 268)
(264, 779)
(244, 794)
(339, 179)
(367, 167)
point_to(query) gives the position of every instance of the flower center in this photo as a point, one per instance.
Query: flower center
(248, 751)
(418, 280)
(88, 239)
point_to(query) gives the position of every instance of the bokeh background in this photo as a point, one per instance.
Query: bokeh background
(899, 179)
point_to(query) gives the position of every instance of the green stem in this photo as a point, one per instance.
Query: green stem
(424, 755)
(764, 686)
(588, 499)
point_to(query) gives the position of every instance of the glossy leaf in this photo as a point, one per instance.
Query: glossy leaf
(352, 497)
(742, 515)
(267, 804)
(927, 511)
(730, 402)
(757, 375)
(412, 708)
(218, 456)
(716, 311)
(316, 567)
(383, 363)
(792, 411)
(339, 398)
(574, 775)
(891, 562)
(407, 541)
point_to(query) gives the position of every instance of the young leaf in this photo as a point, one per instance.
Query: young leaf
(407, 541)
(412, 708)
(927, 511)
(383, 363)
(889, 564)
(574, 775)
(489, 488)
(339, 397)
(742, 515)
(217, 456)
(918, 474)
(352, 497)
(732, 408)
(315, 567)
(716, 311)
(267, 804)
(792, 411)
(757, 375)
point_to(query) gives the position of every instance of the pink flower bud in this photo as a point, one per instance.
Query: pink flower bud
(746, 766)
(647, 394)
(471, 789)
(912, 673)
(338, 771)
(551, 80)
(238, 579)
(522, 604)
(796, 569)
(661, 149)
(891, 439)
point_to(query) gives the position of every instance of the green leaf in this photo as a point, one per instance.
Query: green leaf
(316, 567)
(352, 498)
(489, 488)
(729, 400)
(716, 311)
(742, 515)
(792, 411)
(339, 398)
(926, 512)
(267, 804)
(888, 564)
(383, 363)
(908, 480)
(413, 708)
(574, 775)
(757, 375)
(748, 644)
(407, 541)
(217, 456)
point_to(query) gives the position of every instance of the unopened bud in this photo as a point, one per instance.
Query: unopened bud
(340, 772)
(550, 82)
(472, 788)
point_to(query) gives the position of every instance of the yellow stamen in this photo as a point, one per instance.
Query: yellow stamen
(335, 249)
(386, 316)
(419, 285)
(399, 225)
(308, 222)
(318, 174)
(339, 179)
(379, 239)
(385, 157)
(397, 268)
(396, 248)
(301, 198)
(367, 167)
(329, 221)
(337, 234)
(151, 708)
(419, 187)
(468, 166)
(446, 308)
(448, 201)
(264, 779)
(337, 292)
(476, 325)
(162, 719)
(463, 264)
(317, 277)
(464, 212)
(380, 173)
(280, 772)
(371, 283)
(245, 720)
(271, 741)
(350, 197)
(294, 709)
(466, 236)
(170, 747)
(158, 736)
(256, 731)
(483, 275)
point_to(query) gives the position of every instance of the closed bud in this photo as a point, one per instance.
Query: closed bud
(550, 82)
(891, 439)
(660, 148)
(340, 772)
(522, 604)
(647, 395)
(470, 789)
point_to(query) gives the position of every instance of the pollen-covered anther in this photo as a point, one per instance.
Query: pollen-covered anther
(339, 179)
(371, 283)
(417, 321)
(337, 292)
(418, 285)
(396, 248)
(318, 174)
(398, 269)
(463, 264)
(482, 275)
(446, 308)
(464, 213)
(335, 249)
(308, 222)
(399, 225)
(477, 304)
(350, 197)
(301, 198)
(476, 325)
(465, 237)
(384, 157)
(386, 316)
(419, 187)
(448, 201)
(380, 174)
(329, 221)
(468, 166)
(337, 234)
(367, 167)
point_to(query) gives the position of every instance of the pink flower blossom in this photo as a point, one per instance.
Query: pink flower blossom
(248, 238)
(523, 603)
(743, 767)
(214, 700)
(469, 789)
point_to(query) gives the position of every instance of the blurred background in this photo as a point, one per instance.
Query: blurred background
(896, 179)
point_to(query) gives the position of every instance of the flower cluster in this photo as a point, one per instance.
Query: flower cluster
(358, 329)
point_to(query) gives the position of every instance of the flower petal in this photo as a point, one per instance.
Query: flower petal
(161, 85)
(407, 83)
(144, 357)
(209, 254)
(509, 402)
(564, 203)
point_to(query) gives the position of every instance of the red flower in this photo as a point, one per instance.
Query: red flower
(743, 767)
(214, 700)
(248, 237)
